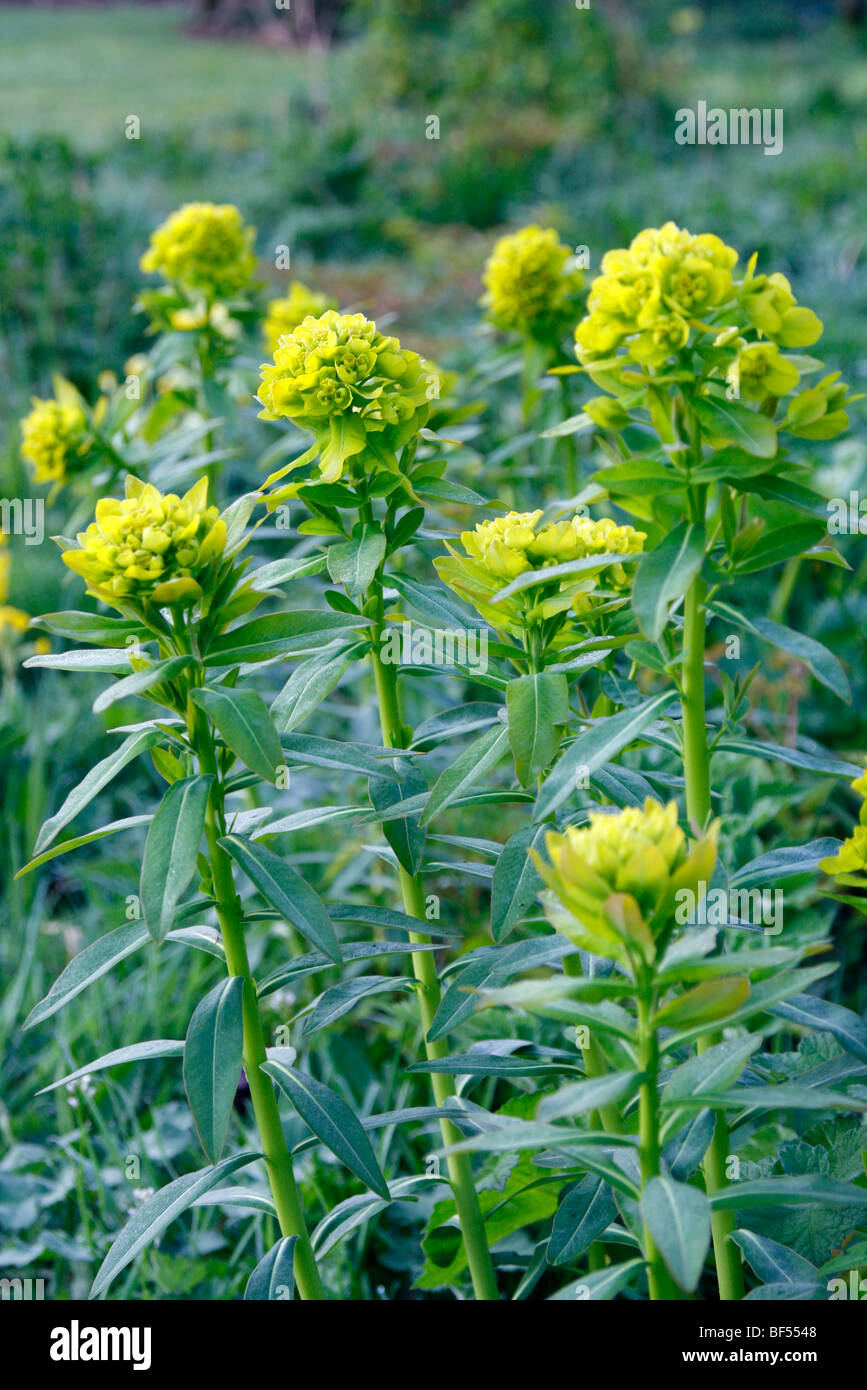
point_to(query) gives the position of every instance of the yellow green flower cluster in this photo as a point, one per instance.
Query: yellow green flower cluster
(649, 294)
(51, 437)
(498, 551)
(530, 286)
(613, 881)
(150, 547)
(284, 315)
(358, 391)
(205, 248)
(851, 857)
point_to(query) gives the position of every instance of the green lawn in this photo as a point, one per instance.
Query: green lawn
(80, 72)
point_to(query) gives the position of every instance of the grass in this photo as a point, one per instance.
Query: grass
(81, 71)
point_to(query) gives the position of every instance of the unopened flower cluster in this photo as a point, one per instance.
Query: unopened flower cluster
(498, 551)
(284, 315)
(51, 437)
(342, 379)
(614, 880)
(205, 248)
(150, 547)
(531, 287)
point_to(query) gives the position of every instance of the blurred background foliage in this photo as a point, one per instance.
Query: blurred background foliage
(314, 121)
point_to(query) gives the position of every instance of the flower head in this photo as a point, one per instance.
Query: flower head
(150, 547)
(498, 551)
(613, 881)
(51, 436)
(204, 248)
(530, 287)
(284, 315)
(851, 857)
(759, 371)
(647, 294)
(358, 391)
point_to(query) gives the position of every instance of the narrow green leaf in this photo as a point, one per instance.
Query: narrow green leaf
(678, 1218)
(332, 1121)
(287, 892)
(98, 777)
(171, 849)
(245, 726)
(95, 960)
(665, 574)
(153, 1216)
(141, 681)
(583, 1214)
(516, 881)
(212, 1062)
(536, 704)
(601, 742)
(136, 1052)
(274, 1277)
(482, 755)
(77, 841)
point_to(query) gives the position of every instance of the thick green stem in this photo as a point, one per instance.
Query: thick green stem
(696, 763)
(424, 969)
(696, 758)
(278, 1161)
(658, 1279)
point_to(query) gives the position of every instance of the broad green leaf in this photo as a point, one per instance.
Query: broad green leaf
(141, 681)
(212, 1062)
(287, 892)
(136, 1052)
(280, 571)
(665, 574)
(245, 726)
(97, 778)
(77, 841)
(278, 634)
(482, 755)
(354, 563)
(808, 1011)
(91, 963)
(171, 849)
(601, 742)
(686, 1150)
(274, 1278)
(332, 1121)
(153, 1216)
(722, 419)
(536, 704)
(706, 1003)
(583, 1214)
(678, 1218)
(516, 881)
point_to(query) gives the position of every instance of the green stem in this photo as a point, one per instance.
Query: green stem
(659, 1281)
(424, 969)
(696, 764)
(278, 1161)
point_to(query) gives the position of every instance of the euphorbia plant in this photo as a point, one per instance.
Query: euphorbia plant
(170, 566)
(366, 400)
